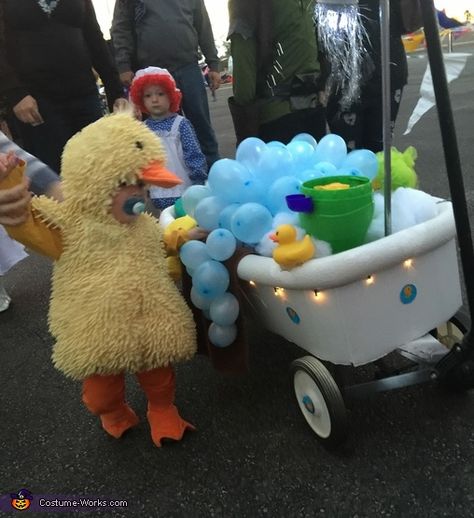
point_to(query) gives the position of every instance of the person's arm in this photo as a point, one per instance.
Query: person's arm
(32, 232)
(10, 86)
(244, 61)
(15, 200)
(43, 180)
(100, 55)
(123, 39)
(192, 154)
(203, 28)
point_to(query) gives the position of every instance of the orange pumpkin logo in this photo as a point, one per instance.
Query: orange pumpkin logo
(21, 500)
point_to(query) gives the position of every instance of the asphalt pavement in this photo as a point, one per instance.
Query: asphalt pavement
(410, 452)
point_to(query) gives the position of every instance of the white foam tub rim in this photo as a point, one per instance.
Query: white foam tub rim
(349, 266)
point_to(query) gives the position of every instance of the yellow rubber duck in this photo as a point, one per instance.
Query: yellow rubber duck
(290, 252)
(175, 234)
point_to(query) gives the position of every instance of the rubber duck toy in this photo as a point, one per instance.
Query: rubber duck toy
(291, 252)
(114, 309)
(175, 234)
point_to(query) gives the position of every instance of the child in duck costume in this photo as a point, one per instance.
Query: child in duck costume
(114, 308)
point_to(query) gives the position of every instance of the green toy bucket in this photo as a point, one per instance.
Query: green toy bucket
(341, 216)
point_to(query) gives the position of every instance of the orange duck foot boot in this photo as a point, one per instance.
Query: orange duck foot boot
(105, 396)
(116, 423)
(166, 424)
(165, 421)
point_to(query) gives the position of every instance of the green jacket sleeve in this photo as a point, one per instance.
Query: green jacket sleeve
(244, 56)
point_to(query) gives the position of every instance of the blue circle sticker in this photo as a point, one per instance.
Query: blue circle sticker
(408, 294)
(294, 317)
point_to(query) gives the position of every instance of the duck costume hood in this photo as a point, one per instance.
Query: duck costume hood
(114, 307)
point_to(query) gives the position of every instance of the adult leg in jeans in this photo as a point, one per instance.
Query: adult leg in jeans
(195, 105)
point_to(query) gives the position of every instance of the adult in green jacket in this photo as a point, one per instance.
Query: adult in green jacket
(276, 72)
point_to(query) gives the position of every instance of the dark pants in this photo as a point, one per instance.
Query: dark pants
(196, 108)
(62, 119)
(361, 124)
(311, 120)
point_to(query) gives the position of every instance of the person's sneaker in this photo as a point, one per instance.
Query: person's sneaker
(5, 299)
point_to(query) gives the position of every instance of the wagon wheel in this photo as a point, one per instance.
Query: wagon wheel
(452, 331)
(320, 401)
(460, 377)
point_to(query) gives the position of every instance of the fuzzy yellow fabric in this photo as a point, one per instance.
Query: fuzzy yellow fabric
(114, 307)
(36, 233)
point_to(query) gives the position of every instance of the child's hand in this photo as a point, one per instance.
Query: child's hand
(122, 105)
(14, 202)
(8, 162)
(197, 233)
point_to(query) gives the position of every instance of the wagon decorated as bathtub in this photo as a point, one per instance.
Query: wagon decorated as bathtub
(357, 306)
(397, 294)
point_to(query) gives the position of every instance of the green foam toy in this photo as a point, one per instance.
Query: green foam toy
(403, 169)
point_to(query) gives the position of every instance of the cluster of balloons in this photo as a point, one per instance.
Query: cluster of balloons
(210, 279)
(242, 199)
(244, 195)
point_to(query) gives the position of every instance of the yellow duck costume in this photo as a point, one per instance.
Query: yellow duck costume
(290, 252)
(114, 308)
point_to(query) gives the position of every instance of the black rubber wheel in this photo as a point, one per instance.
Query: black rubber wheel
(452, 331)
(460, 377)
(320, 401)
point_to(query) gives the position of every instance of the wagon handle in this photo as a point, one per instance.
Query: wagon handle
(386, 112)
(450, 148)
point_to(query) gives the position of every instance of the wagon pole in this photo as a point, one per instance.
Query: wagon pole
(457, 367)
(450, 148)
(386, 112)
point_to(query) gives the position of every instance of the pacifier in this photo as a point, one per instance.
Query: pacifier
(134, 206)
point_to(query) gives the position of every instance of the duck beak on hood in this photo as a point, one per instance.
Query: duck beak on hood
(156, 174)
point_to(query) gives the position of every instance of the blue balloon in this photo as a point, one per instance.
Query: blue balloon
(305, 137)
(349, 171)
(211, 279)
(207, 212)
(221, 244)
(250, 222)
(325, 168)
(303, 154)
(224, 309)
(198, 301)
(222, 336)
(253, 191)
(331, 148)
(226, 215)
(274, 163)
(228, 178)
(275, 143)
(192, 196)
(249, 151)
(364, 160)
(193, 253)
(276, 200)
(310, 174)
